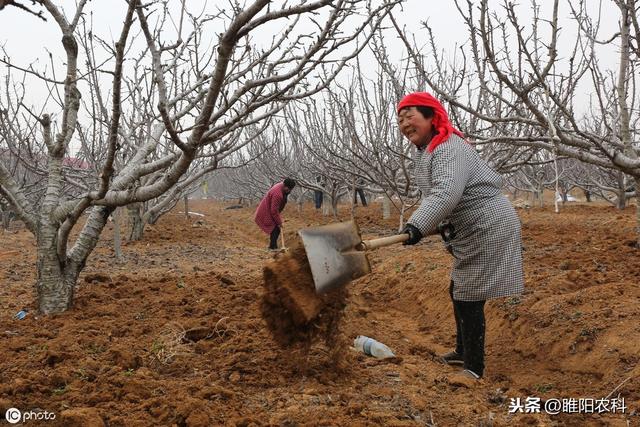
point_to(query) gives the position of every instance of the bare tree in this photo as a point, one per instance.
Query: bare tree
(21, 6)
(515, 88)
(348, 137)
(198, 107)
(609, 185)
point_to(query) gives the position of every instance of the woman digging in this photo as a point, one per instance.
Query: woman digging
(462, 199)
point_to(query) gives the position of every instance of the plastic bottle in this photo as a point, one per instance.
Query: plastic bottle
(371, 347)
(21, 314)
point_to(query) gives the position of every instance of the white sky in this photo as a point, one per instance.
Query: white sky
(27, 39)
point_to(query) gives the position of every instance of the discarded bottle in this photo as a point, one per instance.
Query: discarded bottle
(371, 347)
(20, 315)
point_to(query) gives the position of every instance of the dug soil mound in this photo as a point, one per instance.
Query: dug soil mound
(197, 327)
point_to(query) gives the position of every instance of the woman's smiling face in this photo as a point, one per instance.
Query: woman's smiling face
(414, 126)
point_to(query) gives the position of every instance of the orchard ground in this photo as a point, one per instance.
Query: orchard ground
(174, 334)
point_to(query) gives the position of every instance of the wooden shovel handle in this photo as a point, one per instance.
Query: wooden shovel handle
(368, 245)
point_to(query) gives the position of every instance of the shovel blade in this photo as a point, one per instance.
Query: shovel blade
(332, 256)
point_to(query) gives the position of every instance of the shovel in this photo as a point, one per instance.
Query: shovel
(284, 248)
(337, 254)
(281, 249)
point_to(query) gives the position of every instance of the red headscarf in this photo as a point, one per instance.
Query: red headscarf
(440, 120)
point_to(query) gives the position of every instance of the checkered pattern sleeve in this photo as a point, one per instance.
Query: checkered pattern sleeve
(448, 173)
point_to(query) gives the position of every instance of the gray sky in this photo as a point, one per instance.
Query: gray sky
(27, 39)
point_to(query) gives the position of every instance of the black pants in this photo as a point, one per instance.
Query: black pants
(273, 244)
(317, 197)
(470, 328)
(363, 199)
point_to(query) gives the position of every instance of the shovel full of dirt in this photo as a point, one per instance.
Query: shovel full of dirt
(337, 254)
(310, 277)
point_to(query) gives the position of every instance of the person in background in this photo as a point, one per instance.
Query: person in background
(359, 192)
(268, 215)
(462, 200)
(318, 194)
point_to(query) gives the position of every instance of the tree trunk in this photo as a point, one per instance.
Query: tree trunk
(117, 238)
(621, 192)
(56, 277)
(638, 213)
(205, 189)
(135, 220)
(186, 206)
(557, 180)
(540, 197)
(54, 287)
(621, 199)
(386, 207)
(587, 196)
(354, 195)
(402, 210)
(334, 206)
(325, 206)
(6, 219)
(300, 202)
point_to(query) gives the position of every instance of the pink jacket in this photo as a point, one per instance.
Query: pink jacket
(268, 212)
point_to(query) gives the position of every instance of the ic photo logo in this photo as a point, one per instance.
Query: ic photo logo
(14, 416)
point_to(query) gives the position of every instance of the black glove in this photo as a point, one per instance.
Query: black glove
(414, 234)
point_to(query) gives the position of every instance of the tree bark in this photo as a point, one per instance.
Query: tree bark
(621, 193)
(7, 216)
(55, 288)
(386, 207)
(557, 184)
(58, 273)
(403, 209)
(136, 222)
(638, 213)
(334, 206)
(540, 196)
(299, 203)
(117, 235)
(325, 206)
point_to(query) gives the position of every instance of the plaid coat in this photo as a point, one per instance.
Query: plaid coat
(268, 213)
(457, 185)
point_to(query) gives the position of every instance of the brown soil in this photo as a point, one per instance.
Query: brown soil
(187, 331)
